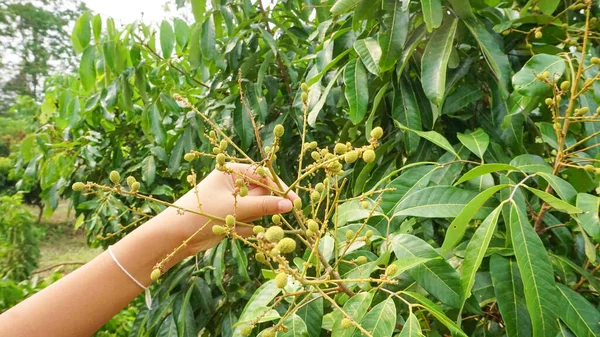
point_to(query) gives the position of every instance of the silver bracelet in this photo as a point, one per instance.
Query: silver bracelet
(146, 290)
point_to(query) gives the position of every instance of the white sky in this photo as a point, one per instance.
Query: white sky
(127, 11)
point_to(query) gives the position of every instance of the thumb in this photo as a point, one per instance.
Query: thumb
(257, 206)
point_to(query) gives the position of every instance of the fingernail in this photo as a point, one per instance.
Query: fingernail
(284, 206)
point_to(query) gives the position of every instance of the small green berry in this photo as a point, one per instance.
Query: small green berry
(589, 168)
(229, 220)
(269, 333)
(115, 177)
(286, 245)
(130, 180)
(278, 131)
(223, 145)
(538, 35)
(377, 133)
(276, 219)
(219, 230)
(549, 101)
(369, 156)
(239, 182)
(274, 233)
(315, 196)
(365, 204)
(216, 150)
(258, 229)
(595, 60)
(369, 234)
(298, 204)
(312, 225)
(260, 257)
(246, 331)
(304, 87)
(135, 187)
(221, 159)
(304, 97)
(309, 233)
(260, 171)
(212, 134)
(78, 186)
(189, 157)
(391, 270)
(155, 274)
(351, 157)
(315, 155)
(281, 280)
(349, 234)
(566, 85)
(319, 187)
(243, 191)
(346, 323)
(340, 148)
(361, 260)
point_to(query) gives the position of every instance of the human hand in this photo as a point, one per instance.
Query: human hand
(215, 195)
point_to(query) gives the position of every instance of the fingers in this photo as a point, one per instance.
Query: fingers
(256, 206)
(249, 171)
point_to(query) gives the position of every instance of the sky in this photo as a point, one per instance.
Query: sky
(127, 11)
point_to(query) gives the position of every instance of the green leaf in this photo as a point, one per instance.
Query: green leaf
(495, 57)
(411, 180)
(198, 8)
(407, 263)
(579, 314)
(167, 38)
(312, 315)
(240, 258)
(148, 170)
(195, 53)
(411, 327)
(356, 307)
(437, 312)
(208, 40)
(480, 170)
(406, 111)
(435, 202)
(82, 33)
(589, 204)
(342, 6)
(525, 81)
(457, 228)
(554, 201)
(87, 68)
(431, 136)
(392, 40)
(436, 276)
(381, 320)
(583, 272)
(156, 125)
(564, 190)
(465, 95)
(510, 296)
(168, 328)
(182, 32)
(434, 63)
(548, 6)
(97, 27)
(476, 249)
(476, 141)
(370, 53)
(462, 8)
(530, 163)
(537, 273)
(432, 13)
(296, 327)
(257, 306)
(314, 113)
(357, 90)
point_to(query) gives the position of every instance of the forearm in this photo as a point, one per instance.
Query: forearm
(80, 303)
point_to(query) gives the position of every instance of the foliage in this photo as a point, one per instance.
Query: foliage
(13, 292)
(19, 251)
(481, 200)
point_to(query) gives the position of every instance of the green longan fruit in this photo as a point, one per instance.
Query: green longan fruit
(312, 145)
(223, 145)
(589, 168)
(217, 150)
(135, 187)
(212, 134)
(349, 234)
(315, 155)
(260, 171)
(219, 230)
(298, 204)
(309, 233)
(369, 234)
(78, 186)
(319, 187)
(566, 85)
(549, 101)
(229, 220)
(274, 233)
(276, 219)
(278, 131)
(286, 245)
(269, 333)
(304, 97)
(155, 274)
(221, 159)
(351, 157)
(281, 280)
(115, 177)
(260, 257)
(312, 225)
(391, 270)
(340, 148)
(346, 323)
(595, 60)
(584, 110)
(304, 87)
(315, 196)
(130, 181)
(239, 182)
(369, 156)
(243, 191)
(365, 204)
(546, 74)
(189, 157)
(377, 133)
(246, 331)
(258, 229)
(361, 260)
(538, 35)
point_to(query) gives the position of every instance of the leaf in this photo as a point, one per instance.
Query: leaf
(167, 38)
(477, 141)
(436, 276)
(548, 6)
(392, 40)
(257, 305)
(195, 53)
(554, 201)
(240, 258)
(352, 211)
(156, 125)
(357, 90)
(432, 13)
(168, 328)
(525, 81)
(564, 190)
(480, 170)
(296, 327)
(537, 273)
(97, 27)
(87, 68)
(476, 250)
(342, 6)
(407, 263)
(435, 202)
(465, 95)
(434, 63)
(410, 181)
(530, 163)
(463, 9)
(356, 307)
(589, 204)
(431, 136)
(312, 314)
(406, 111)
(370, 53)
(208, 39)
(437, 312)
(82, 32)
(510, 296)
(583, 272)
(198, 9)
(579, 314)
(495, 57)
(314, 113)
(456, 230)
(148, 170)
(411, 327)
(182, 32)
(381, 320)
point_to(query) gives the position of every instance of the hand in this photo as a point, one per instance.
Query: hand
(215, 194)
